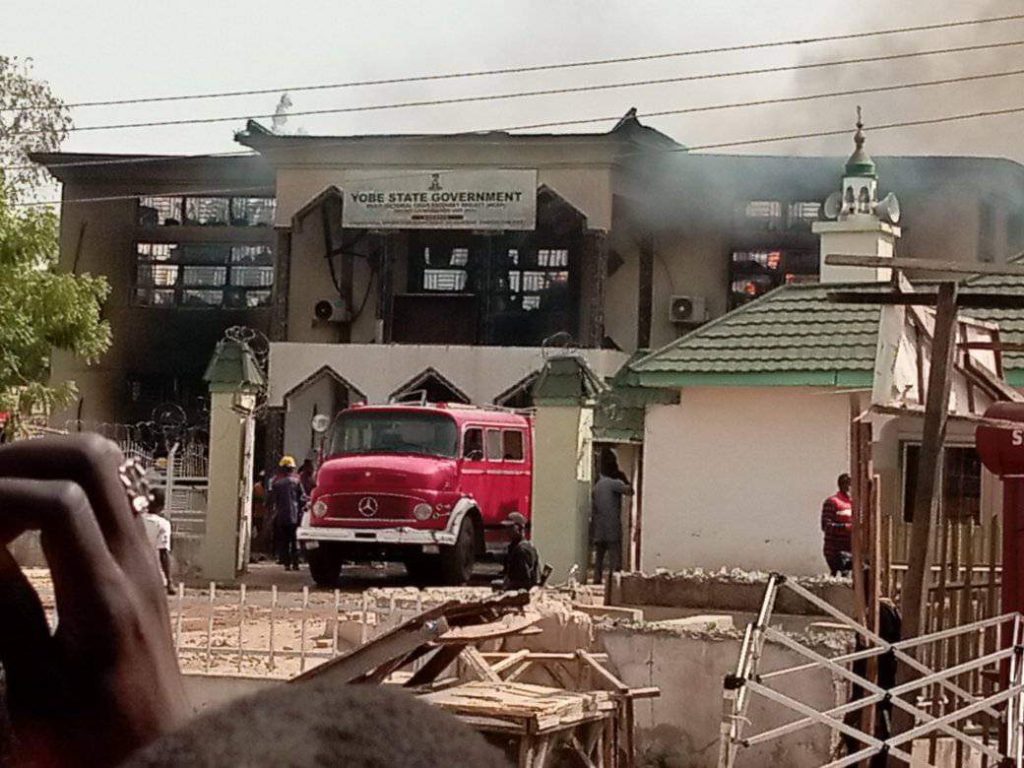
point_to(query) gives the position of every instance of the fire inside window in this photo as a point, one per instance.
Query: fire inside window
(210, 275)
(754, 273)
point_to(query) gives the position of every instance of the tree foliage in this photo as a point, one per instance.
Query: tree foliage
(41, 308)
(32, 119)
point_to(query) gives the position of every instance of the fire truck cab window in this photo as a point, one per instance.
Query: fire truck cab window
(473, 444)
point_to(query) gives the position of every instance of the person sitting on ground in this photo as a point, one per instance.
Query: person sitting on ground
(104, 686)
(288, 500)
(522, 562)
(837, 526)
(158, 531)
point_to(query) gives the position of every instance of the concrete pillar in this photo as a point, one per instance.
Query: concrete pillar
(234, 378)
(564, 396)
(561, 486)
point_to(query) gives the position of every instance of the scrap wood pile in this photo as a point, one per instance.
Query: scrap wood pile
(587, 720)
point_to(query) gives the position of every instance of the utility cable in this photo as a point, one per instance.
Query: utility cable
(542, 92)
(580, 121)
(693, 148)
(546, 67)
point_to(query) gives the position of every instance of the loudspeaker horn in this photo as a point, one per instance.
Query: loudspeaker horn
(888, 209)
(833, 205)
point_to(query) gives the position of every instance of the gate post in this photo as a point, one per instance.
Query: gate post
(234, 379)
(564, 397)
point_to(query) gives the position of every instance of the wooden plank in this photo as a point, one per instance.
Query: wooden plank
(926, 497)
(602, 673)
(507, 625)
(508, 661)
(929, 265)
(478, 665)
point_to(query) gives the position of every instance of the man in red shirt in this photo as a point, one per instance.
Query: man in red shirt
(837, 525)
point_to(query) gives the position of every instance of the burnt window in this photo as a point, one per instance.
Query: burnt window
(205, 211)
(211, 275)
(754, 273)
(960, 484)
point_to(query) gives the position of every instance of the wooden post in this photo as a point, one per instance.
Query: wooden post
(926, 498)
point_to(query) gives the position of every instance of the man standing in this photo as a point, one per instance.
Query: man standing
(287, 499)
(606, 516)
(837, 525)
(522, 563)
(158, 531)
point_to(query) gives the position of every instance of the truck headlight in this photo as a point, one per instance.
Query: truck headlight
(319, 508)
(422, 511)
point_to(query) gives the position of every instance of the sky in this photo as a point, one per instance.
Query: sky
(116, 49)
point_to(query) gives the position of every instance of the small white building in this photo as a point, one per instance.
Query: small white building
(735, 474)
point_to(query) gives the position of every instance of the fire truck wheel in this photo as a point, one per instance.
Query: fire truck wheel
(457, 560)
(324, 566)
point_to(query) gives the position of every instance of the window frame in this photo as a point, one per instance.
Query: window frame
(522, 445)
(906, 499)
(483, 446)
(488, 431)
(234, 259)
(182, 201)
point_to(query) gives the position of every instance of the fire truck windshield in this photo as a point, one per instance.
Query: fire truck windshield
(433, 434)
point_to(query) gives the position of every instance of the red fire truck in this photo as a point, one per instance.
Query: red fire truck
(428, 485)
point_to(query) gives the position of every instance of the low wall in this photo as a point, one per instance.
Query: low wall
(681, 728)
(724, 591)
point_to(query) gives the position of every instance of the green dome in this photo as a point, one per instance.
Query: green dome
(860, 162)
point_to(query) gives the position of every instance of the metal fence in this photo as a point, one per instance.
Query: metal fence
(270, 632)
(985, 722)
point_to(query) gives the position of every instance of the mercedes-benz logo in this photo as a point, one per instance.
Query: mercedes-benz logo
(368, 506)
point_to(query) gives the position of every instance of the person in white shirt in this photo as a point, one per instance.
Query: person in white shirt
(158, 531)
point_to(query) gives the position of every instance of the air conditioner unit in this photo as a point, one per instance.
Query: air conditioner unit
(687, 310)
(332, 311)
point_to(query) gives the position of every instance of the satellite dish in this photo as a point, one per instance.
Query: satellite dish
(833, 205)
(321, 422)
(888, 209)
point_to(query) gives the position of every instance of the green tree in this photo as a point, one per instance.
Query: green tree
(32, 119)
(41, 308)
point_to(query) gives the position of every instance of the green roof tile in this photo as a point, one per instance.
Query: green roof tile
(791, 335)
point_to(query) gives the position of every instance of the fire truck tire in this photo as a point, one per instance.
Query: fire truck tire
(324, 566)
(457, 560)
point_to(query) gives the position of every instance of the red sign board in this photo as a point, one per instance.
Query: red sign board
(1002, 448)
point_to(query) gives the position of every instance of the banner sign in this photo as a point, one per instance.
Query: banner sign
(462, 199)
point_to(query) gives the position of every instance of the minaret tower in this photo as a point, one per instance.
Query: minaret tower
(862, 225)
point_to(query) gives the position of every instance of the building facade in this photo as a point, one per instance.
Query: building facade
(449, 252)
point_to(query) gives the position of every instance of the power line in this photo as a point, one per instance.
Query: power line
(581, 121)
(694, 148)
(545, 67)
(843, 131)
(546, 92)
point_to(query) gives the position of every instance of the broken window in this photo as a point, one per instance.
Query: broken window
(801, 213)
(754, 273)
(763, 209)
(196, 211)
(203, 275)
